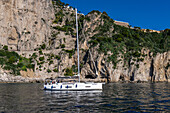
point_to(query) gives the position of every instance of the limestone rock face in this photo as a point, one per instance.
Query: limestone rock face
(25, 24)
(148, 68)
(153, 69)
(7, 78)
(28, 73)
(161, 67)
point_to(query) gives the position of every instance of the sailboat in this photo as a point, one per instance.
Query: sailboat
(59, 85)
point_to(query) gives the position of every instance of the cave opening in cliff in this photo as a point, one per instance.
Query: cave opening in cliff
(151, 71)
(90, 76)
(132, 77)
(122, 78)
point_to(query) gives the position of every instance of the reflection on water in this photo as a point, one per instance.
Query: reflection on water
(117, 97)
(72, 100)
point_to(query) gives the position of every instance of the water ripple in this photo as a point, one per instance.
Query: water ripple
(116, 97)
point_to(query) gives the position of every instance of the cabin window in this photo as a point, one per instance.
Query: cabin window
(88, 86)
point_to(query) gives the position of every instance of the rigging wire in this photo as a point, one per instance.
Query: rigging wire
(89, 50)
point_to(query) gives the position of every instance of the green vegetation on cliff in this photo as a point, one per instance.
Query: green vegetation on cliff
(114, 40)
(127, 41)
(101, 33)
(13, 62)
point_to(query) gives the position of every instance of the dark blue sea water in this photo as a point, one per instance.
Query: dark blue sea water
(115, 97)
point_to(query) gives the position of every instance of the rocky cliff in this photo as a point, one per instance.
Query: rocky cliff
(25, 24)
(44, 33)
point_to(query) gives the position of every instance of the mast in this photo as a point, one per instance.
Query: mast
(77, 46)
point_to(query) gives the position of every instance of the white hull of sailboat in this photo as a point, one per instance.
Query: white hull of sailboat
(73, 86)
